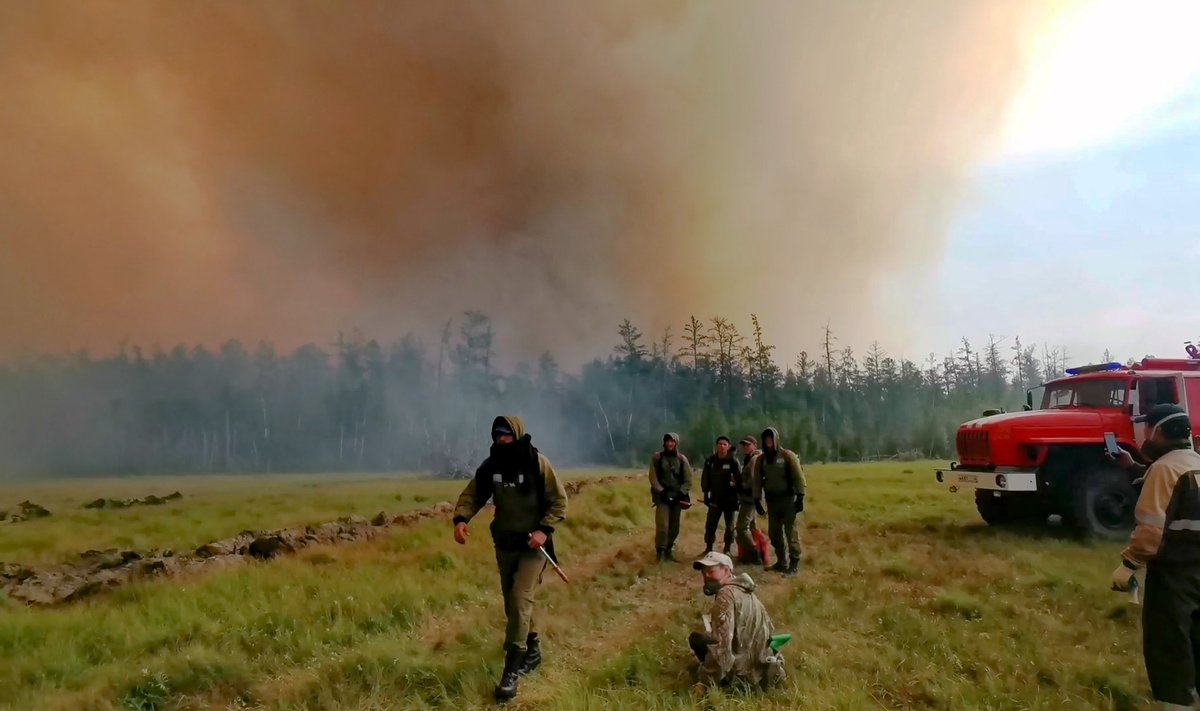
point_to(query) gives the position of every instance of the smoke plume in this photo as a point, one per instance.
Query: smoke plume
(197, 171)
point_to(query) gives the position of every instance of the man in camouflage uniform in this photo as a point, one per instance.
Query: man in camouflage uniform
(748, 505)
(718, 481)
(779, 478)
(530, 501)
(738, 649)
(670, 487)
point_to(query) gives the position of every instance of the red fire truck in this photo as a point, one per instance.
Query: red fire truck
(1052, 458)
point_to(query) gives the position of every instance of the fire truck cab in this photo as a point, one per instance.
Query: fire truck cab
(1051, 459)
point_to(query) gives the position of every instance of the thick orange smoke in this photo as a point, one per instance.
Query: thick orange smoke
(197, 171)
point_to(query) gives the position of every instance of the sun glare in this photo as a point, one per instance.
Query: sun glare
(1099, 71)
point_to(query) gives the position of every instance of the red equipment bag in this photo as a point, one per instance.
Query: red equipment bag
(761, 545)
(760, 542)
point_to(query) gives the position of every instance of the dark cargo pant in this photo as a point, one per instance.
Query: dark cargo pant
(666, 524)
(782, 529)
(715, 513)
(520, 573)
(1171, 632)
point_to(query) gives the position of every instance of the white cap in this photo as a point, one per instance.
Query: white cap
(713, 558)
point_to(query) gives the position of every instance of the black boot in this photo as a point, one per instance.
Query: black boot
(659, 554)
(533, 654)
(794, 567)
(507, 688)
(669, 554)
(780, 565)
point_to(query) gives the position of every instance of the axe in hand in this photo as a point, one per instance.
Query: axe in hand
(557, 569)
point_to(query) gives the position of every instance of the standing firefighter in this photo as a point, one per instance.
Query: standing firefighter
(778, 477)
(529, 501)
(670, 486)
(719, 481)
(748, 504)
(1166, 542)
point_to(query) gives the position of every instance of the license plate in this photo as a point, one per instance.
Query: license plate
(968, 478)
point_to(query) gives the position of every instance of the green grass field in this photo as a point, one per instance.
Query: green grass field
(906, 601)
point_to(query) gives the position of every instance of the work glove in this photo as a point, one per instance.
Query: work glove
(758, 508)
(1123, 579)
(799, 503)
(708, 500)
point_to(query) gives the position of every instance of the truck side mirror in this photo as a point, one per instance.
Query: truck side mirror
(1029, 400)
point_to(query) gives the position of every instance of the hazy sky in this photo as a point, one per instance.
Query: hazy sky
(908, 172)
(1083, 226)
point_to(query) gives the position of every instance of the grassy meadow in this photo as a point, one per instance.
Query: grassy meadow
(906, 601)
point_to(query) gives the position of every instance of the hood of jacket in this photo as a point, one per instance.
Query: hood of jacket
(743, 581)
(514, 423)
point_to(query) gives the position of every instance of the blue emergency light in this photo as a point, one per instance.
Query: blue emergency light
(1100, 368)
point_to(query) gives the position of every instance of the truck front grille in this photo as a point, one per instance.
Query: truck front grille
(973, 446)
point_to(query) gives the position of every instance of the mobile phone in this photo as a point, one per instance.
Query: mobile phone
(1110, 445)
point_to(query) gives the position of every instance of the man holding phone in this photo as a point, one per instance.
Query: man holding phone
(1166, 544)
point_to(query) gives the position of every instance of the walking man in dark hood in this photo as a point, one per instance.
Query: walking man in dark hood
(718, 481)
(530, 501)
(1166, 545)
(671, 486)
(779, 478)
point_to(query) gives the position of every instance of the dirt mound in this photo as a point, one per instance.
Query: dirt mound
(101, 570)
(26, 510)
(151, 500)
(96, 571)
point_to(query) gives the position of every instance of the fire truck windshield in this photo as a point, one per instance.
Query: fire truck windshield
(1096, 393)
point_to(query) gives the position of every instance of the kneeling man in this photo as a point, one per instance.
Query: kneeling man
(738, 649)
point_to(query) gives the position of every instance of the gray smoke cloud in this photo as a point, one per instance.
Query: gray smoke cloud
(197, 171)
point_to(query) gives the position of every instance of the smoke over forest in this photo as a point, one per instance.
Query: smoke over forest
(193, 172)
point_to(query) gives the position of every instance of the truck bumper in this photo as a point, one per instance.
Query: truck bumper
(1003, 479)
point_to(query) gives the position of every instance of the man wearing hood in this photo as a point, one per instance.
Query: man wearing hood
(778, 477)
(670, 486)
(1166, 544)
(748, 505)
(739, 646)
(718, 481)
(530, 501)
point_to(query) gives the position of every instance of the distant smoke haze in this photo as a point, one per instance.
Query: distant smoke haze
(191, 172)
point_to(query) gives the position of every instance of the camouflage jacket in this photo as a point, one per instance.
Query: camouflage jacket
(742, 630)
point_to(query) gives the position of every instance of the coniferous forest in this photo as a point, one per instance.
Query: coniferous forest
(359, 405)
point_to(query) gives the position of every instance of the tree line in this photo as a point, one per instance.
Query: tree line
(357, 405)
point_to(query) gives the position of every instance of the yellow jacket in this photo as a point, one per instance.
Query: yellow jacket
(1151, 511)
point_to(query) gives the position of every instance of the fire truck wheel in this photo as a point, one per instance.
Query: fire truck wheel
(1102, 502)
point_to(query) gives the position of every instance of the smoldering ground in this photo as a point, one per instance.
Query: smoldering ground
(188, 172)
